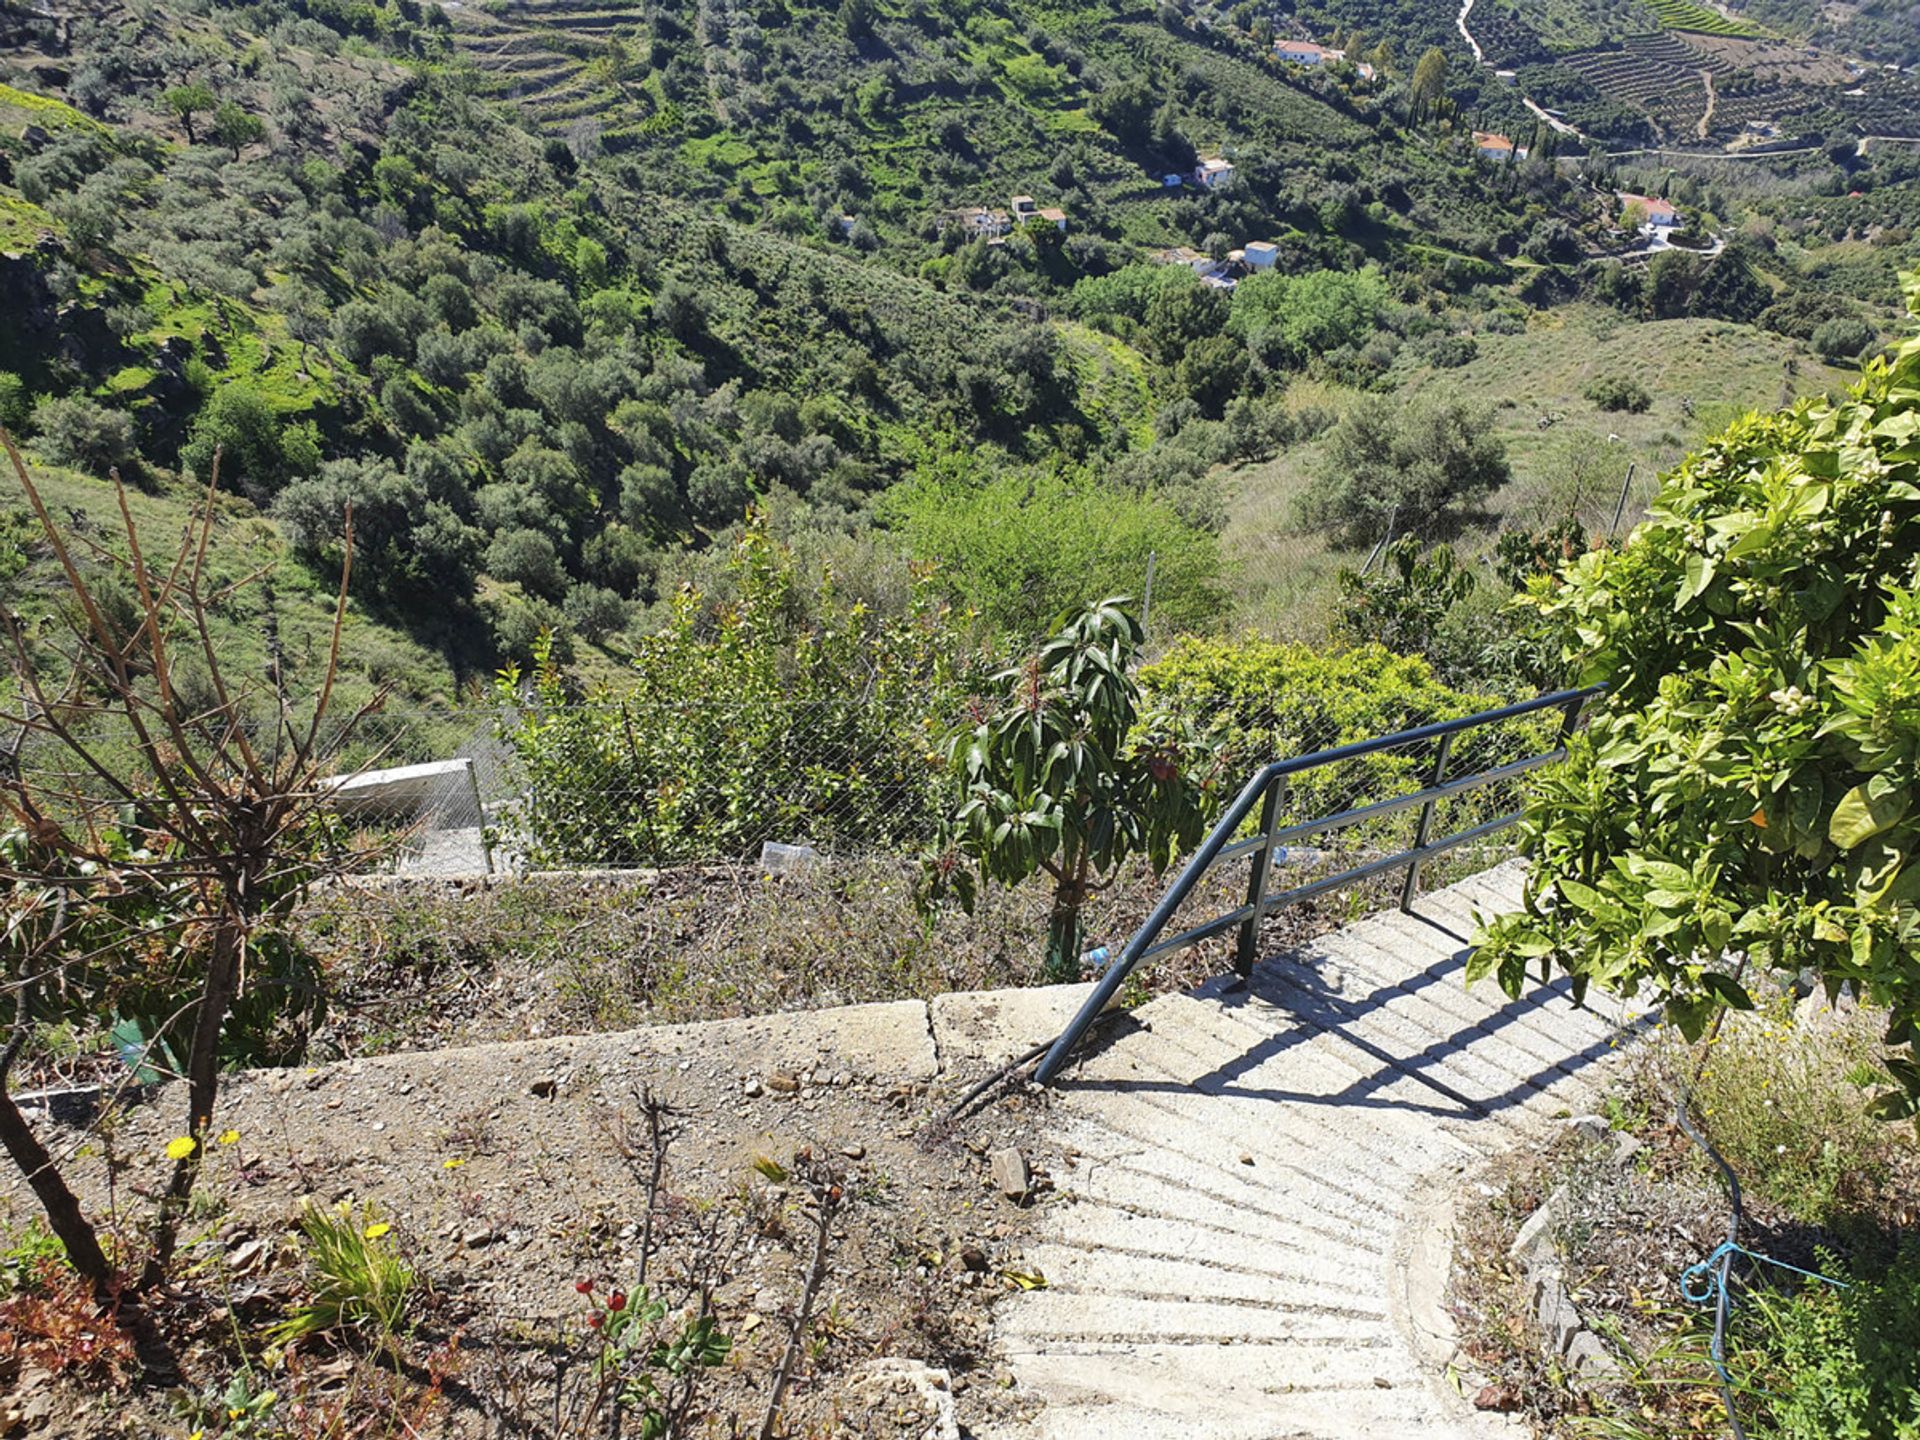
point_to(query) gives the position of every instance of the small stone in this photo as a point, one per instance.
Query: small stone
(1589, 1127)
(1011, 1177)
(246, 1257)
(973, 1258)
(782, 1083)
(1245, 1159)
(1533, 1234)
(854, 1151)
(543, 1088)
(1626, 1146)
(1590, 1358)
(474, 1239)
(753, 1089)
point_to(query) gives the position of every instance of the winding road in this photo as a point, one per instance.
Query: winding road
(1460, 23)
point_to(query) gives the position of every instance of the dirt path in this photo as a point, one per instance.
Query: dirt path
(1713, 99)
(1466, 9)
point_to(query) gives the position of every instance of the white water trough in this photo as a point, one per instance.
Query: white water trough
(442, 795)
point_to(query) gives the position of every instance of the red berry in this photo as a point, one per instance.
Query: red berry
(593, 1321)
(585, 1287)
(617, 1300)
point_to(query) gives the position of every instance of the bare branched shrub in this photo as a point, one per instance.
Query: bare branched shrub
(162, 817)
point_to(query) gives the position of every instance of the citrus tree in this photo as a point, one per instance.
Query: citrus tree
(1063, 775)
(1746, 794)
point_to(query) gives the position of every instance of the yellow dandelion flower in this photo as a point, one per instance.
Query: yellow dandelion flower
(229, 1137)
(453, 1164)
(376, 1230)
(181, 1146)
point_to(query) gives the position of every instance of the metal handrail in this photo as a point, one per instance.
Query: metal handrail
(1269, 789)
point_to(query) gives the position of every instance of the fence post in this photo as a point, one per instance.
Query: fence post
(1420, 835)
(1249, 944)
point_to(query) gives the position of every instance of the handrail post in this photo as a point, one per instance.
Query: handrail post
(1576, 707)
(1246, 950)
(1425, 828)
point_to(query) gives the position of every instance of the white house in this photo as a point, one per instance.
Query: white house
(1213, 173)
(1497, 147)
(1657, 216)
(1057, 217)
(1261, 254)
(1023, 208)
(980, 221)
(1305, 52)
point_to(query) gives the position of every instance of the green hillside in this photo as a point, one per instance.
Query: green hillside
(552, 294)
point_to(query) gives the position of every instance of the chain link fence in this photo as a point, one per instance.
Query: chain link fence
(594, 787)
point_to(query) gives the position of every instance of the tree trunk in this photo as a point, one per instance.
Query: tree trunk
(203, 1088)
(64, 1215)
(1063, 925)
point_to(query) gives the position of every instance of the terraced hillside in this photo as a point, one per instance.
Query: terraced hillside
(578, 70)
(1697, 76)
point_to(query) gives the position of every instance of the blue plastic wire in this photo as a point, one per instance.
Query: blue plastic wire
(1706, 1283)
(1702, 1284)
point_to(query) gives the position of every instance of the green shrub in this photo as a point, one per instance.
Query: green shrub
(1619, 393)
(1842, 338)
(1825, 1362)
(259, 450)
(1747, 784)
(1261, 700)
(744, 726)
(1391, 467)
(73, 430)
(15, 404)
(1063, 774)
(1023, 551)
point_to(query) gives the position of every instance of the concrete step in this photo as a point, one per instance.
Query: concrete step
(1095, 1315)
(1235, 1247)
(1383, 1109)
(1229, 1392)
(1076, 1269)
(1438, 1003)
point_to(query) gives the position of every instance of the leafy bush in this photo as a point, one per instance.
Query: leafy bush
(1390, 467)
(1023, 551)
(743, 727)
(1746, 787)
(1288, 318)
(73, 430)
(1842, 338)
(259, 450)
(1064, 775)
(15, 406)
(1262, 700)
(1618, 393)
(1828, 1362)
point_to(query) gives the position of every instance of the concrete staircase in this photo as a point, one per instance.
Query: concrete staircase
(1249, 1239)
